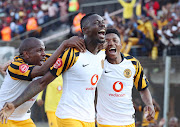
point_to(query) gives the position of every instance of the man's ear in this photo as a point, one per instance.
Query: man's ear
(85, 30)
(25, 54)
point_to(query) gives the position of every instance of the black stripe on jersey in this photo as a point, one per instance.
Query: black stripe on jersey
(17, 67)
(128, 57)
(14, 66)
(147, 82)
(143, 88)
(53, 72)
(20, 76)
(72, 59)
(134, 62)
(62, 54)
(137, 71)
(66, 62)
(47, 56)
(77, 53)
(140, 81)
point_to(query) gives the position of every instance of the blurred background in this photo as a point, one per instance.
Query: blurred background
(149, 29)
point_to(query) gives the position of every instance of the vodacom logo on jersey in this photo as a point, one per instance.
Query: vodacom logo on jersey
(117, 87)
(94, 80)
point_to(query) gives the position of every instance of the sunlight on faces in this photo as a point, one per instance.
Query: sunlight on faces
(37, 54)
(113, 45)
(96, 28)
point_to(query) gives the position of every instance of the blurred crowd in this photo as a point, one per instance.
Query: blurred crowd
(18, 16)
(157, 121)
(152, 27)
(146, 27)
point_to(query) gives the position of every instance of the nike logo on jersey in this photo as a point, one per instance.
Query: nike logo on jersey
(85, 65)
(107, 71)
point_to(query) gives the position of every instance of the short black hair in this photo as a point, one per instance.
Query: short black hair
(111, 30)
(83, 20)
(27, 44)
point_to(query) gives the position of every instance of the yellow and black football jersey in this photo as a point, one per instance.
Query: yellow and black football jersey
(20, 70)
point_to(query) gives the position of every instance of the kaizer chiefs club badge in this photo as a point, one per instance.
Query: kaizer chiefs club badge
(127, 73)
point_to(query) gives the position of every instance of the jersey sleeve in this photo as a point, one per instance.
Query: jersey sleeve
(20, 71)
(140, 80)
(64, 62)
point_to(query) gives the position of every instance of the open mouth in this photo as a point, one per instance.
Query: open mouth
(101, 34)
(43, 60)
(112, 50)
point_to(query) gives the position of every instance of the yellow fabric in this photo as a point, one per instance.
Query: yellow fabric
(134, 40)
(73, 123)
(127, 8)
(6, 33)
(161, 24)
(126, 47)
(149, 30)
(132, 125)
(154, 53)
(69, 58)
(138, 77)
(13, 123)
(53, 94)
(20, 70)
(146, 123)
(138, 9)
(52, 121)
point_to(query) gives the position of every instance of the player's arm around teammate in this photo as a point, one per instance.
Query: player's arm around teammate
(35, 55)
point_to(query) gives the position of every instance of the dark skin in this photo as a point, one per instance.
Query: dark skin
(94, 35)
(113, 56)
(35, 54)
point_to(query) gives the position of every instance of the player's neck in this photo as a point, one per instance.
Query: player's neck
(92, 47)
(116, 60)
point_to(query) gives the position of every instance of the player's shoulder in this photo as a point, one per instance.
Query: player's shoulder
(17, 61)
(130, 58)
(73, 51)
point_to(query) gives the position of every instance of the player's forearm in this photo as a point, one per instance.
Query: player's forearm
(32, 89)
(52, 59)
(146, 97)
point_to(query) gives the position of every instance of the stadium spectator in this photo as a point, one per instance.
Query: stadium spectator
(26, 66)
(63, 10)
(50, 97)
(151, 8)
(140, 108)
(6, 33)
(80, 72)
(173, 122)
(127, 9)
(76, 28)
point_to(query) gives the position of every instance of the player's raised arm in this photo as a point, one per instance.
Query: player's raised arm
(73, 42)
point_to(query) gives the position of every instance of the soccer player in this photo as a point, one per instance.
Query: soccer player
(80, 72)
(25, 67)
(121, 71)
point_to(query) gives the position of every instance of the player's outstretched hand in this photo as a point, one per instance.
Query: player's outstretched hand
(4, 67)
(7, 110)
(149, 112)
(75, 42)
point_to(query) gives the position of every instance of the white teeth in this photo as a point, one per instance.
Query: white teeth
(102, 31)
(111, 48)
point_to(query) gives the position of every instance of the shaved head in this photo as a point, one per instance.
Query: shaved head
(28, 44)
